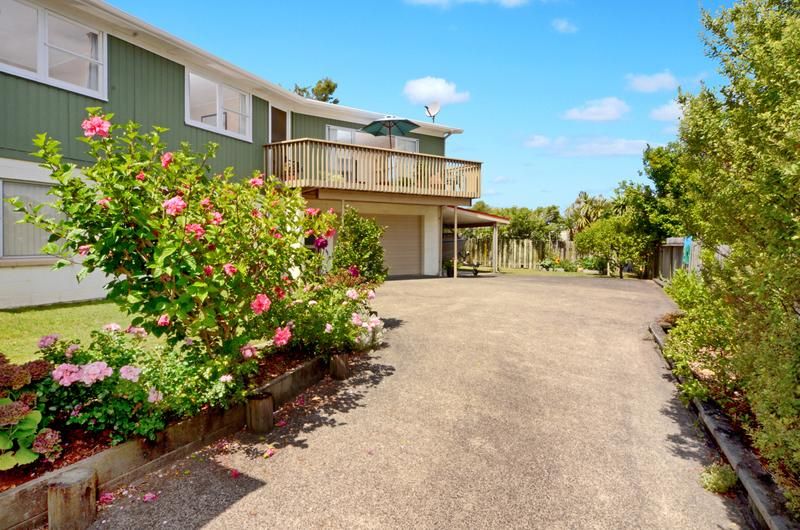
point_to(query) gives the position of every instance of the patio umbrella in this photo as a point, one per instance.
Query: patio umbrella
(389, 125)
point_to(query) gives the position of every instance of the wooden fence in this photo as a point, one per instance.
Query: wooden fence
(518, 253)
(670, 257)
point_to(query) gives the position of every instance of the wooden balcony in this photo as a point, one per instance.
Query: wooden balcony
(311, 163)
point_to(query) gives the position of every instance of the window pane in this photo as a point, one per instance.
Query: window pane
(73, 69)
(69, 36)
(202, 100)
(235, 122)
(234, 100)
(18, 30)
(23, 239)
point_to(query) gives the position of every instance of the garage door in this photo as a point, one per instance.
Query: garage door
(402, 243)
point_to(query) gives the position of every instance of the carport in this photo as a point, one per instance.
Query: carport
(457, 217)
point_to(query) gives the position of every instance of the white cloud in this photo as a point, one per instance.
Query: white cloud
(537, 140)
(672, 111)
(605, 109)
(652, 82)
(449, 3)
(586, 147)
(562, 25)
(429, 89)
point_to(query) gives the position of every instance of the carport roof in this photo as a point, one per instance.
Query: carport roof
(470, 218)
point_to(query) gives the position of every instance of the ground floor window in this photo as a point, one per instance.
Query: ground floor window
(21, 240)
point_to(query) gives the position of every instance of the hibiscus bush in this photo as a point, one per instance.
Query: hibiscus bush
(192, 254)
(358, 247)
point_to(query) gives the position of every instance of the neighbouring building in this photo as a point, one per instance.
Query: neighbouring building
(58, 57)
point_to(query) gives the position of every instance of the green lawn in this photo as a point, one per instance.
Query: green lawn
(20, 329)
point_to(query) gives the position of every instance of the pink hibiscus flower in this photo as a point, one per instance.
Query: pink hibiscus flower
(312, 211)
(229, 269)
(104, 202)
(166, 159)
(282, 336)
(256, 182)
(196, 229)
(260, 304)
(216, 218)
(141, 176)
(163, 320)
(84, 249)
(96, 125)
(174, 206)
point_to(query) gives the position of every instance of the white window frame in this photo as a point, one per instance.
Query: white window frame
(220, 127)
(3, 257)
(41, 75)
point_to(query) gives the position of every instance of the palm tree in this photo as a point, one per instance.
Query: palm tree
(585, 210)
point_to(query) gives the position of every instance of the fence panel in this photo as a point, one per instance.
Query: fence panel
(517, 253)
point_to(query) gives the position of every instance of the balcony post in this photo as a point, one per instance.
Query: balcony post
(455, 241)
(494, 247)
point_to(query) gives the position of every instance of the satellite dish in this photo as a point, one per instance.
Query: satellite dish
(432, 110)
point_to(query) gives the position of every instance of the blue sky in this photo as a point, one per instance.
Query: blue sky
(555, 96)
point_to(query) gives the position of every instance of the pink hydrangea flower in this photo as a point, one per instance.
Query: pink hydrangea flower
(227, 378)
(96, 125)
(208, 270)
(104, 202)
(374, 322)
(66, 374)
(312, 211)
(355, 318)
(141, 176)
(174, 206)
(47, 341)
(282, 336)
(166, 159)
(371, 295)
(216, 218)
(137, 332)
(154, 396)
(328, 328)
(94, 372)
(248, 351)
(331, 210)
(71, 349)
(260, 304)
(113, 327)
(131, 373)
(163, 320)
(205, 202)
(352, 294)
(229, 269)
(84, 249)
(257, 182)
(196, 229)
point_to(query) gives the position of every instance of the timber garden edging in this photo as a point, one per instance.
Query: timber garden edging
(765, 500)
(26, 506)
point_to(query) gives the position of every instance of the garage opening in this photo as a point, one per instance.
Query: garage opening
(402, 244)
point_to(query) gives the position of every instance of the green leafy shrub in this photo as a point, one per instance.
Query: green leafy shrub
(22, 440)
(718, 478)
(102, 386)
(594, 263)
(568, 266)
(358, 247)
(192, 254)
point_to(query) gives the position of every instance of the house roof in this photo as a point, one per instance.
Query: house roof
(471, 219)
(138, 32)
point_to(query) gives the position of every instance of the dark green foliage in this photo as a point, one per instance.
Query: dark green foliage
(358, 244)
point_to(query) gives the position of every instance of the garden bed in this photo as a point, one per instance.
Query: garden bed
(24, 504)
(764, 497)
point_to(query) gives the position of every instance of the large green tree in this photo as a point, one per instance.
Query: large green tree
(322, 91)
(741, 163)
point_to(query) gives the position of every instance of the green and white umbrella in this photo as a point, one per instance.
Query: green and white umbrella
(388, 126)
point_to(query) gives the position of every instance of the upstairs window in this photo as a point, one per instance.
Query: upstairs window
(217, 107)
(40, 45)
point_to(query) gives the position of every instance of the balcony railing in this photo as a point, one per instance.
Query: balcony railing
(311, 163)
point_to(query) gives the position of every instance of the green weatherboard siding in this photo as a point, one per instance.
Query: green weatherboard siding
(305, 126)
(143, 87)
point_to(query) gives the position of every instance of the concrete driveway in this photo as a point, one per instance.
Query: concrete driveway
(508, 402)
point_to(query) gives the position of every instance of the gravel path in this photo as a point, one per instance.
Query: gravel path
(508, 402)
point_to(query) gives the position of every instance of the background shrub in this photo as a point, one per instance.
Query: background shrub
(358, 245)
